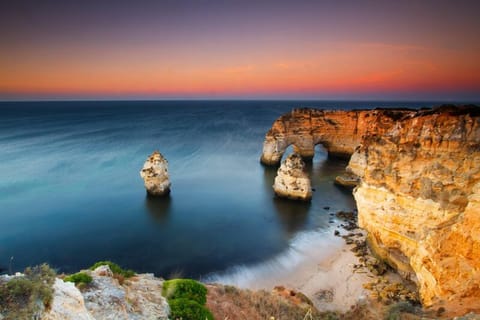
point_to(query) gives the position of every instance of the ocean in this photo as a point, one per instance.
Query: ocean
(71, 193)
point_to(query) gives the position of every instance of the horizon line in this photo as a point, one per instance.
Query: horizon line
(237, 99)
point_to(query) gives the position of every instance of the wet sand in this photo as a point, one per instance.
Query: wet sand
(320, 265)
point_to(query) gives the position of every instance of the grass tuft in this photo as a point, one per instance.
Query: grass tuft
(24, 297)
(116, 269)
(79, 278)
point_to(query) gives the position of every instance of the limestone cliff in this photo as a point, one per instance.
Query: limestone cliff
(419, 191)
(155, 175)
(419, 199)
(340, 132)
(291, 181)
(105, 298)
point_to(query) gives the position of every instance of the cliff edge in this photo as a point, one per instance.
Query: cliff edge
(419, 190)
(419, 200)
(339, 131)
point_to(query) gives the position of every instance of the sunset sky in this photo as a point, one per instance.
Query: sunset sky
(240, 49)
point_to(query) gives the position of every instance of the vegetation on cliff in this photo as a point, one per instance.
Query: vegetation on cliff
(187, 299)
(25, 297)
(79, 278)
(118, 272)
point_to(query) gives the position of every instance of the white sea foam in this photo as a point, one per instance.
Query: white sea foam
(306, 251)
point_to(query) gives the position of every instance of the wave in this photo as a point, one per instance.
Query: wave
(305, 252)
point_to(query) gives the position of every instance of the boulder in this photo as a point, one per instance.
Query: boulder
(68, 303)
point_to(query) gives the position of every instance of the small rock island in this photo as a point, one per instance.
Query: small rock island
(291, 181)
(155, 175)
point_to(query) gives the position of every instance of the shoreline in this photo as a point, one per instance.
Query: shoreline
(333, 268)
(323, 269)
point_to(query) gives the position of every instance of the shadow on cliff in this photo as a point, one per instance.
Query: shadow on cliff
(159, 208)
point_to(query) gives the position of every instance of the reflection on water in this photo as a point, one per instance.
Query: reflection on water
(222, 212)
(269, 174)
(158, 208)
(292, 214)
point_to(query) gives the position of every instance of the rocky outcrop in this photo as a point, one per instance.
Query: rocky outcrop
(291, 181)
(419, 188)
(68, 303)
(155, 175)
(419, 199)
(340, 132)
(105, 298)
(347, 180)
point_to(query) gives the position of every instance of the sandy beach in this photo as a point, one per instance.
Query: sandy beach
(331, 282)
(320, 265)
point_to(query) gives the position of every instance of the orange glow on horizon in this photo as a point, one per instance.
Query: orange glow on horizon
(341, 68)
(245, 49)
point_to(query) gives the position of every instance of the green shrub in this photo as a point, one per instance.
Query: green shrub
(22, 297)
(186, 309)
(116, 269)
(185, 289)
(77, 278)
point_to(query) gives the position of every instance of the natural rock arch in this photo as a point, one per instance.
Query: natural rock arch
(340, 132)
(419, 195)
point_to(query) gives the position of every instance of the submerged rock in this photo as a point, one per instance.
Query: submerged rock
(347, 180)
(291, 181)
(155, 175)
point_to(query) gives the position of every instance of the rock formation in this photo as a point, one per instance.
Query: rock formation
(68, 303)
(347, 180)
(419, 199)
(155, 175)
(340, 132)
(291, 181)
(419, 191)
(105, 298)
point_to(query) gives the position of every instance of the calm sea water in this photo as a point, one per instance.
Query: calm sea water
(71, 194)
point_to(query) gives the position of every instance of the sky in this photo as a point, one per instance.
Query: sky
(229, 49)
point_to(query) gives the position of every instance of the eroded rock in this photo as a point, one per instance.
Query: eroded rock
(419, 199)
(105, 298)
(291, 181)
(419, 191)
(67, 304)
(139, 297)
(347, 180)
(155, 175)
(340, 132)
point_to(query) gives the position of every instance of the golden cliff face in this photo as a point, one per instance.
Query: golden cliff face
(340, 132)
(419, 199)
(419, 192)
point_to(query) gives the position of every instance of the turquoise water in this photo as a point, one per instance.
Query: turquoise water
(71, 194)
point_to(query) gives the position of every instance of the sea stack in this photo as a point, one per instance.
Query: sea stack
(155, 175)
(291, 181)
